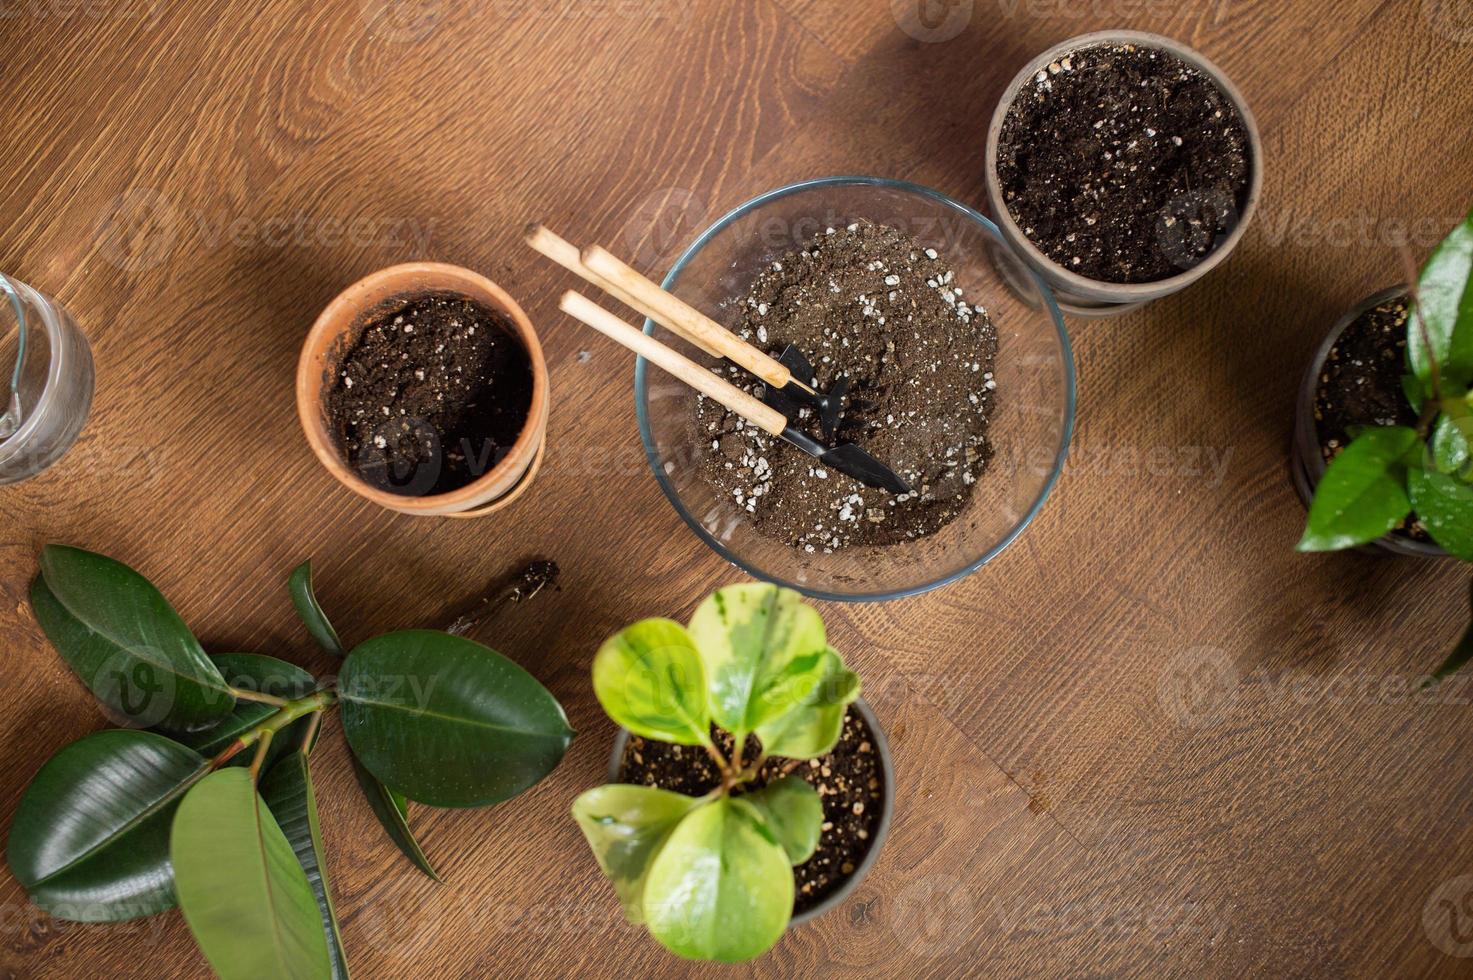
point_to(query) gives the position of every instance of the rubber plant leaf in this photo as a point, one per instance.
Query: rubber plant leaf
(240, 885)
(1363, 494)
(626, 826)
(722, 887)
(310, 611)
(89, 841)
(288, 791)
(764, 651)
(126, 643)
(393, 813)
(263, 675)
(650, 681)
(447, 721)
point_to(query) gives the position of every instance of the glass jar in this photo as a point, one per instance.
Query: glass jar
(46, 381)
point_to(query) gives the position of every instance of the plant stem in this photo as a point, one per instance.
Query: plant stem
(290, 711)
(310, 735)
(261, 748)
(242, 694)
(512, 590)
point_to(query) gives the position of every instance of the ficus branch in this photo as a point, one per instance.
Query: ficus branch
(290, 711)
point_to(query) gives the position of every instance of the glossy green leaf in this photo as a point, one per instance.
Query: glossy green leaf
(449, 722)
(90, 839)
(1447, 310)
(240, 885)
(393, 813)
(626, 826)
(1363, 494)
(126, 643)
(1449, 445)
(792, 810)
(263, 675)
(287, 790)
(310, 611)
(1445, 506)
(1460, 657)
(763, 649)
(650, 681)
(1415, 391)
(813, 728)
(722, 887)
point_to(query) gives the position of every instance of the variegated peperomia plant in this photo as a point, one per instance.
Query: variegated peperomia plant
(711, 876)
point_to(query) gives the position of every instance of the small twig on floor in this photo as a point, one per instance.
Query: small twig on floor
(512, 590)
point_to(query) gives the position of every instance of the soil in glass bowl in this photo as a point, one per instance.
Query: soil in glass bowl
(431, 395)
(869, 303)
(1124, 164)
(850, 781)
(1361, 385)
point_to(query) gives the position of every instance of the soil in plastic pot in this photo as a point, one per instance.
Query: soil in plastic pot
(1361, 384)
(1124, 164)
(850, 781)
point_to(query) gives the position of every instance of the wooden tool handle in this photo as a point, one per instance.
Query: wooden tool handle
(566, 254)
(581, 308)
(685, 319)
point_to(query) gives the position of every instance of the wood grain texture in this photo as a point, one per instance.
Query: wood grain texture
(1148, 740)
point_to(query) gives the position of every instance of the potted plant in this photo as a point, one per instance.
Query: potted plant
(1385, 418)
(424, 389)
(1123, 167)
(208, 803)
(749, 783)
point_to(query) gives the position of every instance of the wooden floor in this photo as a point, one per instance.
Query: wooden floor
(1149, 740)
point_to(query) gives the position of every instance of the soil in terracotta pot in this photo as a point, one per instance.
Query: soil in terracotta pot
(431, 395)
(850, 781)
(1360, 384)
(872, 304)
(1124, 164)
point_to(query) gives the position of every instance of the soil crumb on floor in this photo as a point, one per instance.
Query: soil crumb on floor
(1124, 164)
(431, 396)
(850, 781)
(869, 303)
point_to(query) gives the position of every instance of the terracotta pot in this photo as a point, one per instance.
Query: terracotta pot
(1091, 298)
(882, 831)
(338, 328)
(1307, 463)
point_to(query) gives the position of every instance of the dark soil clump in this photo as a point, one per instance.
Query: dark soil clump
(1361, 384)
(1124, 164)
(871, 304)
(431, 396)
(850, 781)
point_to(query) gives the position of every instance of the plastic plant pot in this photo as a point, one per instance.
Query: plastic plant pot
(338, 328)
(1091, 298)
(882, 830)
(1307, 463)
(46, 381)
(1029, 432)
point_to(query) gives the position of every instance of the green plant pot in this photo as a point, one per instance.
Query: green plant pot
(1307, 464)
(882, 831)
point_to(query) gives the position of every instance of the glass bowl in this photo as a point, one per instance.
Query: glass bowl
(1030, 430)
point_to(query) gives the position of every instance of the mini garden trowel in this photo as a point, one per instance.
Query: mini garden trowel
(791, 398)
(847, 458)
